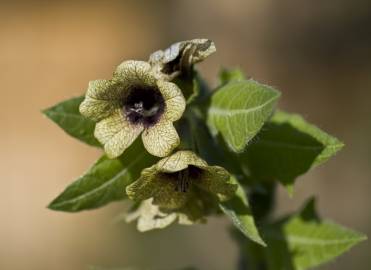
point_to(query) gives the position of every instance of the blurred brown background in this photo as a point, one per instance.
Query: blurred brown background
(316, 52)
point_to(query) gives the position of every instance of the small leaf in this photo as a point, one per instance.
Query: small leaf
(229, 75)
(238, 210)
(67, 116)
(287, 147)
(104, 182)
(303, 241)
(239, 109)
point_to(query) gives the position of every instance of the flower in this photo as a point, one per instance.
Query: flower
(180, 57)
(131, 103)
(177, 179)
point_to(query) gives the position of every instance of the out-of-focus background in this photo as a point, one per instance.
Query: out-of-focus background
(318, 53)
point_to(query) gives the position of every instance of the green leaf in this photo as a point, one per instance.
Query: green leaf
(239, 109)
(331, 145)
(287, 147)
(303, 241)
(66, 115)
(238, 210)
(104, 182)
(229, 75)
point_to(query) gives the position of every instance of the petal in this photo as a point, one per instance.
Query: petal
(179, 161)
(167, 197)
(167, 55)
(200, 48)
(193, 212)
(133, 72)
(145, 187)
(180, 56)
(174, 100)
(150, 217)
(101, 99)
(160, 139)
(215, 180)
(116, 133)
(160, 187)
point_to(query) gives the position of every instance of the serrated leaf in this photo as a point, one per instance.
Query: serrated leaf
(287, 147)
(239, 109)
(67, 116)
(238, 210)
(303, 241)
(104, 182)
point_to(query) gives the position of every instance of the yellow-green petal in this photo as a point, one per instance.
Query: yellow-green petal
(116, 133)
(193, 212)
(160, 139)
(215, 180)
(198, 50)
(145, 186)
(134, 72)
(101, 99)
(174, 100)
(180, 161)
(160, 187)
(167, 197)
(180, 57)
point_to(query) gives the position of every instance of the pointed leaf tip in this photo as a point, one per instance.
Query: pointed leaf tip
(104, 182)
(239, 109)
(238, 210)
(287, 147)
(67, 116)
(303, 241)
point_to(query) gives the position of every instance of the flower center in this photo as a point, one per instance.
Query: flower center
(182, 181)
(184, 177)
(144, 105)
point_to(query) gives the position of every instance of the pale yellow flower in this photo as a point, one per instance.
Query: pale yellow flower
(134, 102)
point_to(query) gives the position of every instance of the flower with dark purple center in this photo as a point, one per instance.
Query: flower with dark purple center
(134, 102)
(174, 181)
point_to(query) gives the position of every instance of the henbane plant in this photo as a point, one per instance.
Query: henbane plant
(182, 152)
